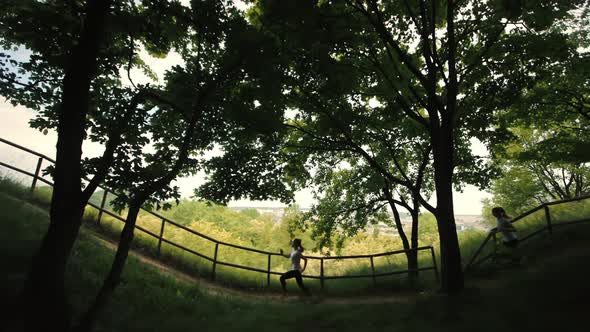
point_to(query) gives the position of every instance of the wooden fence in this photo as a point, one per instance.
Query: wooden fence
(214, 260)
(549, 225)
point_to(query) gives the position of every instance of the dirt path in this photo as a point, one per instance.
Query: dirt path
(215, 289)
(218, 290)
(492, 281)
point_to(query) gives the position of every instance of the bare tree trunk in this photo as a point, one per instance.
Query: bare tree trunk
(44, 294)
(442, 129)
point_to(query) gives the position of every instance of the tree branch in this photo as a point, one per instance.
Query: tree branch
(114, 140)
(387, 38)
(400, 99)
(478, 59)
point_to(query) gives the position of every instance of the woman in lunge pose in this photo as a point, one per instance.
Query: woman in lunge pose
(296, 256)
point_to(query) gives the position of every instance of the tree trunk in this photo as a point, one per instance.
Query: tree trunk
(411, 255)
(414, 242)
(450, 254)
(44, 293)
(113, 278)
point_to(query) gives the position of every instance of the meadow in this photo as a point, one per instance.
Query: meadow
(247, 228)
(149, 300)
(250, 229)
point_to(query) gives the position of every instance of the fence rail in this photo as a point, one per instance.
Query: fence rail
(549, 226)
(214, 260)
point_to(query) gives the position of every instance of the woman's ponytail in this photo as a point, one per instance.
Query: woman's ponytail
(297, 245)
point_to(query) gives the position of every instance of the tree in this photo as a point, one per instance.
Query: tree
(360, 168)
(422, 59)
(358, 139)
(77, 49)
(544, 157)
(224, 78)
(530, 178)
(45, 281)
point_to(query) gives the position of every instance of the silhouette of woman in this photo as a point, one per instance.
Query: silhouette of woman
(510, 239)
(505, 227)
(296, 256)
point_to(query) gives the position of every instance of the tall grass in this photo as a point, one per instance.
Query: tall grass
(40, 196)
(111, 227)
(148, 300)
(230, 276)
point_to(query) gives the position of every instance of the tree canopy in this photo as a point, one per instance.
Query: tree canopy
(434, 63)
(374, 104)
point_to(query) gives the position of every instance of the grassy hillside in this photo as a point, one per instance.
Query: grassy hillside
(248, 228)
(547, 294)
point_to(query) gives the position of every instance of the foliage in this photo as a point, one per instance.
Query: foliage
(350, 200)
(36, 81)
(557, 105)
(424, 65)
(530, 179)
(203, 106)
(379, 89)
(543, 156)
(127, 120)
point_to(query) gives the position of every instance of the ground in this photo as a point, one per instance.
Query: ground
(548, 293)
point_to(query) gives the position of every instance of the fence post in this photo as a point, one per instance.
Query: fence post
(548, 218)
(478, 251)
(161, 236)
(322, 272)
(373, 272)
(214, 260)
(434, 263)
(37, 170)
(102, 203)
(268, 273)
(496, 249)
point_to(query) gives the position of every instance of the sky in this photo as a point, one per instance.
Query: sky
(14, 127)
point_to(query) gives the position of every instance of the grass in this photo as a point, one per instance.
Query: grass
(110, 228)
(559, 214)
(540, 298)
(242, 279)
